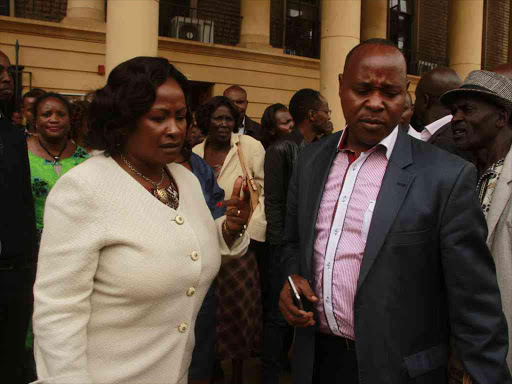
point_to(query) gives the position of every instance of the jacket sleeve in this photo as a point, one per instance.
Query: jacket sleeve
(275, 199)
(476, 318)
(291, 241)
(73, 235)
(258, 224)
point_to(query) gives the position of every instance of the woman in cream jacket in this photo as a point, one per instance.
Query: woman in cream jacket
(239, 325)
(129, 247)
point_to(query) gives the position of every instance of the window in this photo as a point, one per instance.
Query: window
(400, 23)
(302, 37)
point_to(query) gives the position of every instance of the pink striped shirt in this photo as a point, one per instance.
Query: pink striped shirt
(341, 230)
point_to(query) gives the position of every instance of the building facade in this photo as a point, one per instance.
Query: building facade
(272, 48)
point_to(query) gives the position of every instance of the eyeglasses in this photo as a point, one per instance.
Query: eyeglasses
(328, 111)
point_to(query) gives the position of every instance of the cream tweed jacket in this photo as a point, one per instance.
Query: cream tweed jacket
(121, 277)
(254, 155)
(499, 240)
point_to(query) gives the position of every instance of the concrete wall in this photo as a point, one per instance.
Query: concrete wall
(66, 59)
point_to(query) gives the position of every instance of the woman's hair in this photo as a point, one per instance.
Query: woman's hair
(269, 123)
(129, 93)
(52, 95)
(206, 110)
(79, 110)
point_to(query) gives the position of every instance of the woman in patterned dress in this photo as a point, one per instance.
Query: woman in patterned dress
(51, 153)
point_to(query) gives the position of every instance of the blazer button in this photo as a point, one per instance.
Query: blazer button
(191, 291)
(179, 220)
(194, 256)
(182, 328)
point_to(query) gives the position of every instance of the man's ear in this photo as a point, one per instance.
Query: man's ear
(340, 82)
(311, 114)
(503, 118)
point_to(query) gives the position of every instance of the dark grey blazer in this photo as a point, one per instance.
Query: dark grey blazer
(426, 269)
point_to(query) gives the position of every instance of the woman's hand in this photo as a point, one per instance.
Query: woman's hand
(237, 211)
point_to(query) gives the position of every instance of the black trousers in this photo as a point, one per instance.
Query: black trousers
(16, 303)
(334, 363)
(276, 329)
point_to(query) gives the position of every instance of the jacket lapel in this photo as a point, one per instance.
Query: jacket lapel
(501, 196)
(394, 188)
(439, 132)
(320, 168)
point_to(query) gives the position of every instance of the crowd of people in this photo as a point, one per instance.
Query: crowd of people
(143, 242)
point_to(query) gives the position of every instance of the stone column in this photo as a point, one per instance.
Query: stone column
(255, 31)
(465, 23)
(85, 13)
(341, 29)
(374, 19)
(132, 30)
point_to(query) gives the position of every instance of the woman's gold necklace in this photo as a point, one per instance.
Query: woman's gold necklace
(160, 193)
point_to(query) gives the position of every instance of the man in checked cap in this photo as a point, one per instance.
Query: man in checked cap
(481, 110)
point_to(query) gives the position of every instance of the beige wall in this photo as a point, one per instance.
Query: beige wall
(66, 59)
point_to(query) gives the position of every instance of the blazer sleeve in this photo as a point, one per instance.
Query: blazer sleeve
(275, 190)
(73, 236)
(476, 318)
(291, 239)
(258, 224)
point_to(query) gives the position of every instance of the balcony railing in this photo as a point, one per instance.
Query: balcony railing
(302, 37)
(195, 24)
(419, 63)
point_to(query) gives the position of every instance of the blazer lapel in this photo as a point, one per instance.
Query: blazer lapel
(393, 190)
(439, 132)
(320, 168)
(501, 196)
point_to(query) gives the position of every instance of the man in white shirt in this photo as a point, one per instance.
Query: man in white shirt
(431, 118)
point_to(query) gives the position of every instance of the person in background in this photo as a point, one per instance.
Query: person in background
(18, 245)
(239, 314)
(51, 153)
(405, 122)
(79, 130)
(481, 110)
(431, 118)
(203, 358)
(504, 69)
(276, 123)
(17, 118)
(130, 247)
(195, 135)
(246, 126)
(28, 100)
(280, 159)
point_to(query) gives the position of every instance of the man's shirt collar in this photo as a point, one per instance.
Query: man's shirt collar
(388, 142)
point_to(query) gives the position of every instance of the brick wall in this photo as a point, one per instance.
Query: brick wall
(433, 30)
(496, 28)
(226, 15)
(46, 10)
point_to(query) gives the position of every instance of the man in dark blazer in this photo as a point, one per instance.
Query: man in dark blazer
(18, 250)
(431, 117)
(386, 243)
(247, 126)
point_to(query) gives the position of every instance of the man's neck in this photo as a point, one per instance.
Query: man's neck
(306, 130)
(495, 151)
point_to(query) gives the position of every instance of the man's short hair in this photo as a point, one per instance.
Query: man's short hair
(302, 102)
(374, 41)
(33, 93)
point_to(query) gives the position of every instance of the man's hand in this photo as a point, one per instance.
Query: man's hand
(293, 315)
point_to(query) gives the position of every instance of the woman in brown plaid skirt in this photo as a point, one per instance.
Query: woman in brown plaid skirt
(239, 317)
